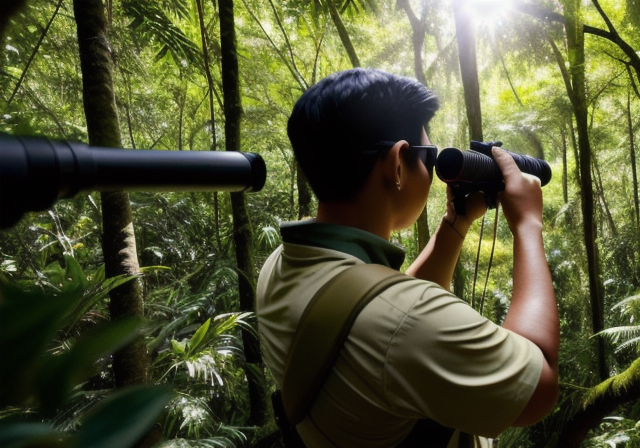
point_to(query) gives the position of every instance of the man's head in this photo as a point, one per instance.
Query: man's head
(336, 124)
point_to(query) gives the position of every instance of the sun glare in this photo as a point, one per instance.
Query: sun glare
(489, 9)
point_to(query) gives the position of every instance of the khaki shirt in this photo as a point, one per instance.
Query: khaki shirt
(416, 351)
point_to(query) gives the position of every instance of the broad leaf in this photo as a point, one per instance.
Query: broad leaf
(121, 419)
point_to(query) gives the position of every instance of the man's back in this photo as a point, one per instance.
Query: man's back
(415, 352)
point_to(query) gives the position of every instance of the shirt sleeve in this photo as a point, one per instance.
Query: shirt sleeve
(447, 362)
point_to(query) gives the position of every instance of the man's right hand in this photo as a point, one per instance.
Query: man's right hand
(521, 199)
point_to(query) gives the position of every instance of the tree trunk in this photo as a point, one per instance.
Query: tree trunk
(634, 169)
(304, 194)
(7, 9)
(418, 31)
(130, 364)
(344, 35)
(565, 167)
(304, 191)
(211, 89)
(575, 42)
(466, 37)
(243, 235)
(605, 210)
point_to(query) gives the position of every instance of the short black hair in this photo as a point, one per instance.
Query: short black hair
(336, 121)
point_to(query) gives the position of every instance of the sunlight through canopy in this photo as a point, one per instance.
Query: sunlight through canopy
(489, 9)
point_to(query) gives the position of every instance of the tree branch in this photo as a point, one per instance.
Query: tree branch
(599, 401)
(35, 51)
(292, 68)
(611, 35)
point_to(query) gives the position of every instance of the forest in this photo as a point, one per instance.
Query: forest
(127, 318)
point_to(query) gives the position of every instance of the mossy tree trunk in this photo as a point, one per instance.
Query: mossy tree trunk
(130, 365)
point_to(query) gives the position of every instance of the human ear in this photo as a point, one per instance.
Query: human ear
(394, 164)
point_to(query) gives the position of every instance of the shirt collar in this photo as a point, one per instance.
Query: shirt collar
(364, 245)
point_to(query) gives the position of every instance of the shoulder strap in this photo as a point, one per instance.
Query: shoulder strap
(323, 328)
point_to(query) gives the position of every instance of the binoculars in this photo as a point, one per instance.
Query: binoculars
(36, 172)
(476, 170)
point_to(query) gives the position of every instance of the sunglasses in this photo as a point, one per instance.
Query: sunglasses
(426, 154)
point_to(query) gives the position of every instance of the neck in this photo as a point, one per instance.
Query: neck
(355, 214)
(371, 210)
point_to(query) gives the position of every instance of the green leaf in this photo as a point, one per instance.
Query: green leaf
(20, 434)
(92, 294)
(28, 322)
(178, 347)
(74, 274)
(198, 336)
(149, 269)
(122, 418)
(65, 371)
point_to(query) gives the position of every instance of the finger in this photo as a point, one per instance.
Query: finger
(505, 162)
(449, 193)
(532, 178)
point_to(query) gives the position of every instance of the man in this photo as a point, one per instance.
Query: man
(416, 353)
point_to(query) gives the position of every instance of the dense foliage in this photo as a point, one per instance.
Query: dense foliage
(169, 93)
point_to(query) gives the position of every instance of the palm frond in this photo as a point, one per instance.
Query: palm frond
(631, 343)
(627, 334)
(626, 302)
(150, 20)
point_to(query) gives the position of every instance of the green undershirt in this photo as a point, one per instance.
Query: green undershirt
(364, 245)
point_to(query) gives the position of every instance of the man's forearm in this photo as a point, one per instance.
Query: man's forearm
(437, 260)
(533, 312)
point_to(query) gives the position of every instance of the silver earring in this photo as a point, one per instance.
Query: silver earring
(398, 185)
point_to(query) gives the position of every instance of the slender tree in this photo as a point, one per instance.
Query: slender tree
(343, 33)
(35, 51)
(211, 89)
(466, 37)
(242, 231)
(565, 166)
(304, 194)
(130, 365)
(418, 34)
(288, 59)
(319, 7)
(578, 96)
(634, 169)
(575, 79)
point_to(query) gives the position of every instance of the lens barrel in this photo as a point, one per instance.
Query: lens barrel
(455, 165)
(35, 172)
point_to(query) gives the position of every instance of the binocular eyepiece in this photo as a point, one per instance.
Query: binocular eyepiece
(35, 172)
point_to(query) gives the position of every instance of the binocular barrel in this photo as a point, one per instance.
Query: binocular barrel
(35, 172)
(454, 165)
